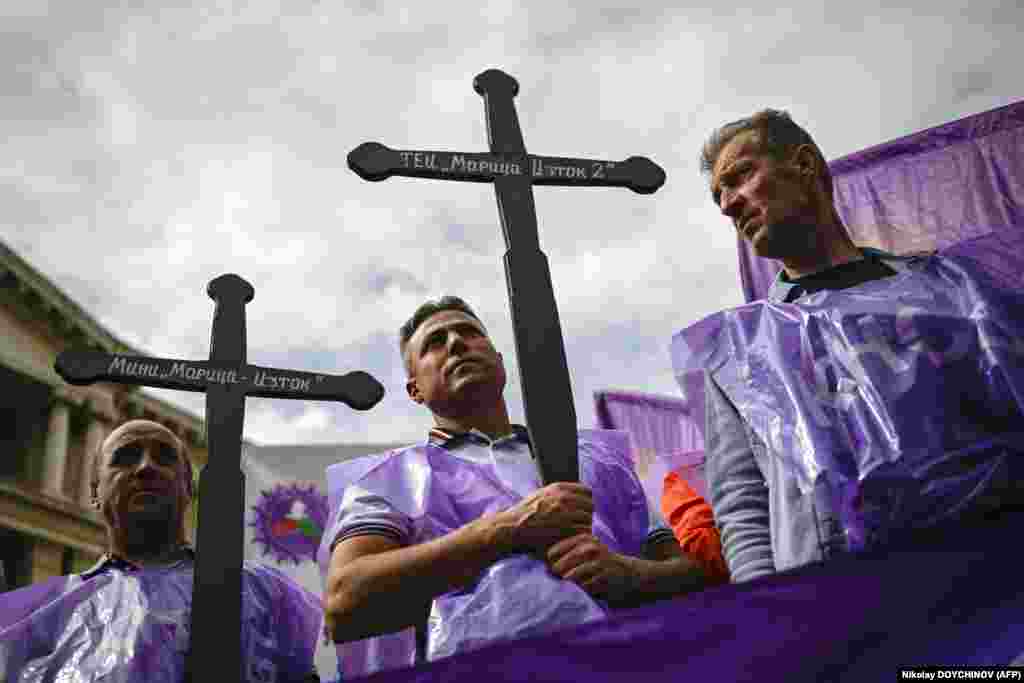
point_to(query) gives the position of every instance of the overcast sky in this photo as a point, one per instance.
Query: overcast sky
(146, 150)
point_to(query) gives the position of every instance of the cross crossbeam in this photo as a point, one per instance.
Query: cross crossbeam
(215, 637)
(540, 349)
(85, 367)
(374, 161)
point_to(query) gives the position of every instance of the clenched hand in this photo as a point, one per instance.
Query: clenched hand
(549, 515)
(589, 563)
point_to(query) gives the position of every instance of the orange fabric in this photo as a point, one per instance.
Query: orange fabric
(691, 520)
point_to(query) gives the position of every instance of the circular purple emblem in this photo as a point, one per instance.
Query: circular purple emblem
(288, 521)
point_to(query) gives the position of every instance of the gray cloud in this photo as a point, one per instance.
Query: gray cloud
(149, 149)
(374, 281)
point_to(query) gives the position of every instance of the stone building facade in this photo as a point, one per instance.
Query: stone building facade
(50, 431)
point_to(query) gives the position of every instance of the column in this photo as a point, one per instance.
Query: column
(47, 559)
(94, 436)
(56, 449)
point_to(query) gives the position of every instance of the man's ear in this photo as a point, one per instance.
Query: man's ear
(413, 390)
(806, 161)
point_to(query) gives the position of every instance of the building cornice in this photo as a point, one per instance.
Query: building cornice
(67, 318)
(46, 303)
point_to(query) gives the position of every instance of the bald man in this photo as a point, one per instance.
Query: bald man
(128, 616)
(142, 487)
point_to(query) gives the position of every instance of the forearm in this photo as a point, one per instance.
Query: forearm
(741, 507)
(387, 591)
(651, 580)
(739, 495)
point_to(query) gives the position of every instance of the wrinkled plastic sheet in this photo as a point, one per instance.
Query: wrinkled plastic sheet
(134, 627)
(905, 394)
(515, 597)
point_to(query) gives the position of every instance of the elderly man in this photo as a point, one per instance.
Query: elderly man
(460, 535)
(841, 421)
(127, 618)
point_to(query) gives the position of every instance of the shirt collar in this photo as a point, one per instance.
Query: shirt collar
(453, 440)
(109, 561)
(781, 289)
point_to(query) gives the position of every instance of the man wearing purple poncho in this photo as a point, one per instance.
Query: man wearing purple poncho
(127, 618)
(870, 399)
(447, 546)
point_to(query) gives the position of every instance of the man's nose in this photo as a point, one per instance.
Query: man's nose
(731, 204)
(148, 462)
(455, 341)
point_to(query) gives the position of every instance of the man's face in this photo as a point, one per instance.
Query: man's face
(142, 477)
(770, 202)
(452, 361)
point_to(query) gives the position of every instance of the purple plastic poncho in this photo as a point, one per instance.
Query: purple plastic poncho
(129, 627)
(904, 393)
(517, 596)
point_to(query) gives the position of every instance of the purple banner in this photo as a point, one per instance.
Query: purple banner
(930, 190)
(854, 619)
(663, 434)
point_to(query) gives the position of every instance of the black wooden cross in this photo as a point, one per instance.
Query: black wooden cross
(547, 392)
(215, 647)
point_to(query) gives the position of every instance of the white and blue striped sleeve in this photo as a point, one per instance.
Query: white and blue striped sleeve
(363, 512)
